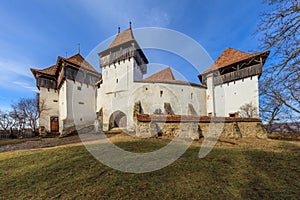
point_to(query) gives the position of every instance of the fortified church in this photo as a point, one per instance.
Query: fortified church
(74, 92)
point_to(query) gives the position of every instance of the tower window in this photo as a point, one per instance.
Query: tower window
(191, 95)
(117, 80)
(78, 88)
(161, 93)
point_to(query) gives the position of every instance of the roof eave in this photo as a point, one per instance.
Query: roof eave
(265, 54)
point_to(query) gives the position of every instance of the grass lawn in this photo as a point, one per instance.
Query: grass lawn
(226, 173)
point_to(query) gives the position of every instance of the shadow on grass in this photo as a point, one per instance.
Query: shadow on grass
(71, 172)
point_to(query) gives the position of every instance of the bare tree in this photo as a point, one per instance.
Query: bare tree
(280, 86)
(19, 119)
(28, 110)
(6, 122)
(248, 110)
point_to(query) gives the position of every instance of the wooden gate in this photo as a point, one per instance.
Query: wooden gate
(54, 126)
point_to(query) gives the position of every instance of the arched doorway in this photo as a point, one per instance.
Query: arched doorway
(117, 120)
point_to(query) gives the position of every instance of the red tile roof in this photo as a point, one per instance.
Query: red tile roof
(163, 75)
(121, 38)
(229, 57)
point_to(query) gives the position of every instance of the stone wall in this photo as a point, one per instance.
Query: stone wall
(195, 127)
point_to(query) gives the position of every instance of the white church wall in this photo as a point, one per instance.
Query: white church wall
(138, 75)
(152, 96)
(116, 76)
(50, 99)
(63, 104)
(119, 92)
(210, 96)
(229, 97)
(81, 104)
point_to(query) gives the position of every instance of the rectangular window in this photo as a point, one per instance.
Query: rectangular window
(78, 88)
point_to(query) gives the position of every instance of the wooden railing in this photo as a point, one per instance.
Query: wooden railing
(242, 73)
(117, 56)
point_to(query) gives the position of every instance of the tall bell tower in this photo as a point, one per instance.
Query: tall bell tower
(123, 62)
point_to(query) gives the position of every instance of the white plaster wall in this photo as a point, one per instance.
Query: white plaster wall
(81, 104)
(50, 98)
(116, 76)
(138, 75)
(179, 96)
(112, 97)
(210, 96)
(62, 105)
(230, 97)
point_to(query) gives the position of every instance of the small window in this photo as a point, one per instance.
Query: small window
(146, 88)
(80, 102)
(161, 93)
(78, 88)
(191, 95)
(55, 101)
(117, 80)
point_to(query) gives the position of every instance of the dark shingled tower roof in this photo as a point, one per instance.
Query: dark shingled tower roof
(121, 38)
(77, 60)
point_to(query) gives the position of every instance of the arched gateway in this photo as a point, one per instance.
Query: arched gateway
(117, 120)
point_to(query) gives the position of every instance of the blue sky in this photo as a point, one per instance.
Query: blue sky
(33, 33)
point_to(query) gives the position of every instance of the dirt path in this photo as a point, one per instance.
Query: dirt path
(247, 143)
(42, 143)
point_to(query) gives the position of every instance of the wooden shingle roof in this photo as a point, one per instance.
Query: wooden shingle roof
(229, 57)
(122, 37)
(163, 75)
(76, 60)
(166, 76)
(51, 71)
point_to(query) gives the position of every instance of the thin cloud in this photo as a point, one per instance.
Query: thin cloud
(120, 12)
(12, 67)
(26, 86)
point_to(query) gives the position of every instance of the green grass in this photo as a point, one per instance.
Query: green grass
(226, 173)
